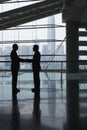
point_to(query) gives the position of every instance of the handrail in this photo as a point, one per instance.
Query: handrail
(32, 55)
(61, 61)
(6, 72)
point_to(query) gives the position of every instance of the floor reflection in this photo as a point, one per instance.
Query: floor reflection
(47, 110)
(52, 98)
(39, 111)
(36, 107)
(76, 99)
(72, 105)
(15, 113)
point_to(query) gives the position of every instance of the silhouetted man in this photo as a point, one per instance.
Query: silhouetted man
(15, 65)
(36, 68)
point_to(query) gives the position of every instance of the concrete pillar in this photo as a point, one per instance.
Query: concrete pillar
(72, 86)
(72, 46)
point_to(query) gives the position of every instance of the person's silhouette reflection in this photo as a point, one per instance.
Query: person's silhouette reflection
(36, 68)
(15, 67)
(15, 113)
(36, 107)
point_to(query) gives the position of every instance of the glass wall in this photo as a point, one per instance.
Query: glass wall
(48, 33)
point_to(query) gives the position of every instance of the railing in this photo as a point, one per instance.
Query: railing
(55, 66)
(5, 62)
(56, 71)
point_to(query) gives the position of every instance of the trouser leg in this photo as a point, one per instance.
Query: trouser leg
(36, 81)
(14, 80)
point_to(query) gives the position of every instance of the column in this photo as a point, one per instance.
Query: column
(72, 86)
(72, 46)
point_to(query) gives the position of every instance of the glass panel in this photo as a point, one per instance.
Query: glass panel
(48, 33)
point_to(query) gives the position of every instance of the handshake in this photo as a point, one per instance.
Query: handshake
(28, 60)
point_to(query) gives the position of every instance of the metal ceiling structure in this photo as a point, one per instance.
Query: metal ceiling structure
(30, 13)
(2, 1)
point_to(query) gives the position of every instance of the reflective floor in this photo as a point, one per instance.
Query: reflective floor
(44, 111)
(59, 106)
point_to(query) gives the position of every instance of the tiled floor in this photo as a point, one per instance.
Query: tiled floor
(44, 111)
(53, 109)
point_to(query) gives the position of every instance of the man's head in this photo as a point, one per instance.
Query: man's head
(15, 47)
(35, 48)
